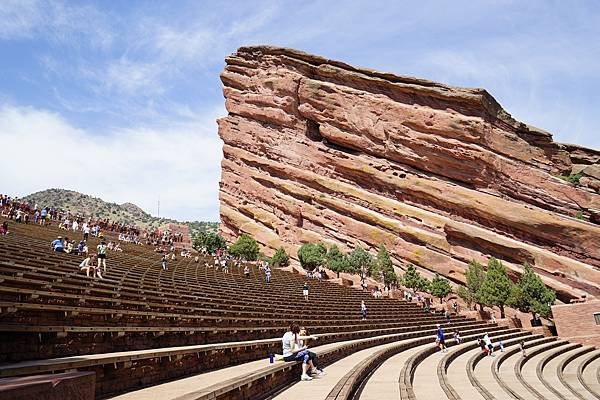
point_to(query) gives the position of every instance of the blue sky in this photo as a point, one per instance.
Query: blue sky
(118, 99)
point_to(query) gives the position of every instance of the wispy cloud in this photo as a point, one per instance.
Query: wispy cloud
(65, 23)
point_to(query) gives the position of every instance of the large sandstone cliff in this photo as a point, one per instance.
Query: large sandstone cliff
(317, 150)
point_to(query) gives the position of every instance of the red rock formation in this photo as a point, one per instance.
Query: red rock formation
(317, 150)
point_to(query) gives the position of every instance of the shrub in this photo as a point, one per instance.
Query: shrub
(386, 267)
(245, 247)
(475, 275)
(337, 261)
(280, 258)
(360, 261)
(413, 279)
(465, 294)
(497, 288)
(440, 287)
(530, 294)
(312, 255)
(209, 240)
(574, 178)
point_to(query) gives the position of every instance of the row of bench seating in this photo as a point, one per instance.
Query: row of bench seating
(142, 325)
(194, 332)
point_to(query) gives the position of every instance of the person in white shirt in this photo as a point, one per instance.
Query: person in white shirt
(293, 351)
(488, 343)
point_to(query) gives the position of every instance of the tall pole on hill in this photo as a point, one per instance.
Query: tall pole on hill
(158, 211)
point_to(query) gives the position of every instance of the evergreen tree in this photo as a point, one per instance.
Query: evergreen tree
(211, 241)
(440, 287)
(475, 275)
(465, 294)
(245, 247)
(360, 261)
(385, 266)
(424, 284)
(337, 261)
(412, 279)
(497, 288)
(280, 258)
(312, 255)
(531, 294)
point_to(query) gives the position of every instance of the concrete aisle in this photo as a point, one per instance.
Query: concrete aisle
(384, 383)
(320, 387)
(458, 378)
(529, 374)
(570, 376)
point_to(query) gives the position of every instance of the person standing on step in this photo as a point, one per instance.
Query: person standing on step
(164, 263)
(268, 274)
(488, 344)
(522, 347)
(305, 289)
(86, 231)
(441, 339)
(363, 310)
(246, 271)
(102, 254)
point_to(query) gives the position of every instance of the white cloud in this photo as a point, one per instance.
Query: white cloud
(66, 23)
(179, 165)
(18, 18)
(132, 77)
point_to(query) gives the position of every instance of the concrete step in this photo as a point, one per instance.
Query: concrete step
(531, 378)
(506, 371)
(589, 377)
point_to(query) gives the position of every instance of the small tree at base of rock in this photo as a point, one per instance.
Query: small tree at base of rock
(280, 258)
(312, 255)
(465, 294)
(411, 277)
(475, 275)
(210, 241)
(497, 288)
(361, 262)
(531, 295)
(245, 247)
(386, 267)
(424, 284)
(337, 261)
(440, 287)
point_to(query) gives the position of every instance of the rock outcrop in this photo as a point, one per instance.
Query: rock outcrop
(318, 150)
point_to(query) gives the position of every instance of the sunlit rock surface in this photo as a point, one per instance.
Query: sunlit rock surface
(318, 150)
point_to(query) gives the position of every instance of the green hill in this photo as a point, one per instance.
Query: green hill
(129, 213)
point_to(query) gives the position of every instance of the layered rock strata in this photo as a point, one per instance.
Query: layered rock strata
(318, 150)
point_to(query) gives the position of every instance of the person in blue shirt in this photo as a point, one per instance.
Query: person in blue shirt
(57, 245)
(441, 339)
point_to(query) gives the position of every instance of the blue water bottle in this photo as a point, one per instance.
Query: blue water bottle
(271, 358)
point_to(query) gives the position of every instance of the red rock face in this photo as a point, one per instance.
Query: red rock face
(317, 150)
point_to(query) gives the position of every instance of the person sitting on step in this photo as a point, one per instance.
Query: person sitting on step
(57, 245)
(293, 352)
(312, 356)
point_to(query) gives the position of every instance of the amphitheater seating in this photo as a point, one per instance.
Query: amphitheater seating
(193, 332)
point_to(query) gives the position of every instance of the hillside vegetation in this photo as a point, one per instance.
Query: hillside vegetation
(129, 213)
